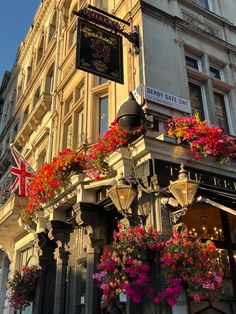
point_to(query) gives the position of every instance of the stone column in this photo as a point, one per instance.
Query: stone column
(90, 217)
(43, 302)
(60, 233)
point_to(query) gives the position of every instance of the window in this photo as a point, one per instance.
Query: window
(52, 27)
(104, 5)
(68, 135)
(220, 111)
(72, 36)
(41, 159)
(68, 104)
(79, 121)
(102, 80)
(40, 49)
(193, 62)
(196, 100)
(103, 114)
(25, 114)
(215, 72)
(79, 92)
(36, 97)
(203, 3)
(49, 80)
(25, 256)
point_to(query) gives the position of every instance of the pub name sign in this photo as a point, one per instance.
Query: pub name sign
(99, 51)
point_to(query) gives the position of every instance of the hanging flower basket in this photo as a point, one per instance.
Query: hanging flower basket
(189, 264)
(124, 266)
(184, 263)
(22, 287)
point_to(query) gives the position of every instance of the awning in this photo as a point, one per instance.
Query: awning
(215, 204)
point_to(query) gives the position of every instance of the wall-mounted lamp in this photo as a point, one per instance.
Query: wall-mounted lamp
(183, 189)
(122, 195)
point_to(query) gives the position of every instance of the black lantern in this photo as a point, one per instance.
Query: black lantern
(130, 116)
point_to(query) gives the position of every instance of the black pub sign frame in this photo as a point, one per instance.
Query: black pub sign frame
(99, 52)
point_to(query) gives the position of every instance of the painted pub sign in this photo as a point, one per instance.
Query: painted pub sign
(99, 52)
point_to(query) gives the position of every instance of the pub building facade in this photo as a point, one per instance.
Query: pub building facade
(185, 63)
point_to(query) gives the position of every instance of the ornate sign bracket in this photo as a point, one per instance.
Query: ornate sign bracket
(107, 20)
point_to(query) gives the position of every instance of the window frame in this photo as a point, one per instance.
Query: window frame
(198, 59)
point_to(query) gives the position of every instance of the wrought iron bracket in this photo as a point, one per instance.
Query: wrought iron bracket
(175, 216)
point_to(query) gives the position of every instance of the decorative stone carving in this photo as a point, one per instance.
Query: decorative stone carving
(88, 215)
(60, 233)
(201, 24)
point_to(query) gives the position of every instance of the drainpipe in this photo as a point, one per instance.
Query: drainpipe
(55, 80)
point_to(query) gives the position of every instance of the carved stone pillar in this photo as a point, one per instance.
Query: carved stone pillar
(44, 249)
(90, 217)
(60, 233)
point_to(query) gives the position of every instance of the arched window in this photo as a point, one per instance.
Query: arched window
(36, 97)
(49, 80)
(52, 26)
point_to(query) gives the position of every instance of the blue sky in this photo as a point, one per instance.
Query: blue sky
(16, 16)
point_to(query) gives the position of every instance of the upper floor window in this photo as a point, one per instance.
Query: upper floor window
(25, 114)
(49, 80)
(52, 26)
(216, 72)
(193, 62)
(72, 36)
(203, 3)
(79, 121)
(104, 5)
(220, 112)
(68, 134)
(68, 104)
(79, 92)
(103, 114)
(29, 71)
(102, 80)
(196, 100)
(36, 97)
(40, 49)
(41, 159)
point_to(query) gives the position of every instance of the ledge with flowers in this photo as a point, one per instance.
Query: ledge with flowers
(52, 177)
(203, 140)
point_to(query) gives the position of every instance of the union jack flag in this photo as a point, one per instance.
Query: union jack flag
(22, 173)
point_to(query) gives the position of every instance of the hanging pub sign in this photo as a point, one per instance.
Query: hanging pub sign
(99, 52)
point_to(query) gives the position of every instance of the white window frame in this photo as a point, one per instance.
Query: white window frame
(228, 113)
(220, 69)
(204, 99)
(199, 63)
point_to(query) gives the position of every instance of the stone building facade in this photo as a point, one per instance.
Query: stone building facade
(186, 64)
